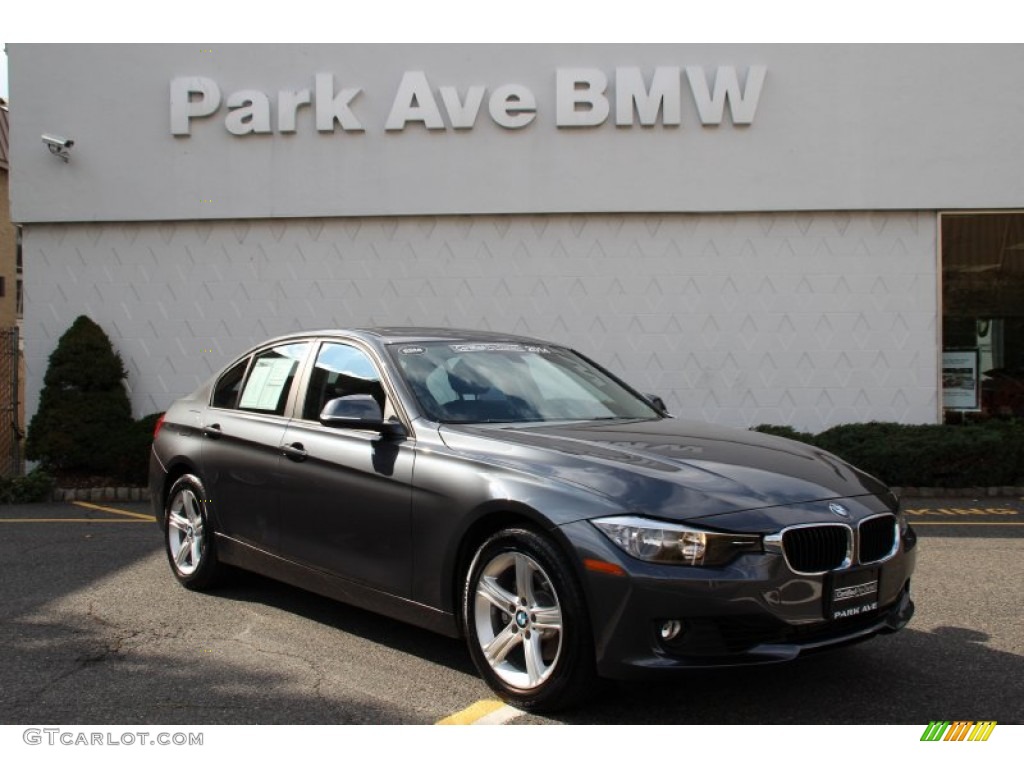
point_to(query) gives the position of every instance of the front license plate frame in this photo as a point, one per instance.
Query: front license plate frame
(850, 594)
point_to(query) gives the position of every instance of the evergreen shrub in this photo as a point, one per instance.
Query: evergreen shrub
(84, 418)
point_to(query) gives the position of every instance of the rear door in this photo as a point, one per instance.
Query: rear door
(242, 435)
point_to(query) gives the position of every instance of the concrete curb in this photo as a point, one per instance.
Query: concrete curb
(101, 494)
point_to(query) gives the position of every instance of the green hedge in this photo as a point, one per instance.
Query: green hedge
(930, 455)
(37, 485)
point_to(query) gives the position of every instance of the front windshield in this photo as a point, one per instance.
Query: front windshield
(467, 383)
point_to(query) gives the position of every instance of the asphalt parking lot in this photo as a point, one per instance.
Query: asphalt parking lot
(95, 630)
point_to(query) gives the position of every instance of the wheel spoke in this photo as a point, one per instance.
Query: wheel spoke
(181, 556)
(499, 647)
(197, 550)
(535, 666)
(548, 617)
(489, 589)
(524, 578)
(191, 509)
(177, 521)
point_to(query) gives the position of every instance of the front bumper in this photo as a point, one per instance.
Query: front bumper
(753, 611)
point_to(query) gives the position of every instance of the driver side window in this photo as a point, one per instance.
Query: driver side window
(340, 370)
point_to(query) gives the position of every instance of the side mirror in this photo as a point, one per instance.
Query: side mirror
(657, 402)
(358, 412)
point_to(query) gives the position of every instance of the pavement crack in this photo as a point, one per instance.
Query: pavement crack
(319, 676)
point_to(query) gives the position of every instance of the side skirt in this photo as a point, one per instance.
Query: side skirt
(249, 558)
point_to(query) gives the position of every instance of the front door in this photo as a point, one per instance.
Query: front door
(347, 493)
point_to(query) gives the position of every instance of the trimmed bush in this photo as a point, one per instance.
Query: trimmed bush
(84, 413)
(37, 485)
(926, 455)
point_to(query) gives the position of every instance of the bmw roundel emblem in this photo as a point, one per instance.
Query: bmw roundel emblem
(838, 509)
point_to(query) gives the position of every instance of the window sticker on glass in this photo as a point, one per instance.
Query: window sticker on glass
(498, 348)
(412, 350)
(266, 382)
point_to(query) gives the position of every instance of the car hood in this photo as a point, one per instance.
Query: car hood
(670, 468)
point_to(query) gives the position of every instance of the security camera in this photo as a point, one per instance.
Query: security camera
(58, 145)
(57, 141)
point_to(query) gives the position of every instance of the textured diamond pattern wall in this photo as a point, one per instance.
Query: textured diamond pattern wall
(803, 319)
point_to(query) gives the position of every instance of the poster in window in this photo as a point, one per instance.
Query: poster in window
(960, 380)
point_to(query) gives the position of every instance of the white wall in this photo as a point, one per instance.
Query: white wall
(805, 319)
(836, 128)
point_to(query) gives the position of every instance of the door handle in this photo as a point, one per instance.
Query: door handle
(294, 451)
(212, 431)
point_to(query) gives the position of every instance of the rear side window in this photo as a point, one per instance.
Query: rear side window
(270, 380)
(225, 394)
(271, 377)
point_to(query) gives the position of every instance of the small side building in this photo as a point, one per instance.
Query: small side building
(12, 408)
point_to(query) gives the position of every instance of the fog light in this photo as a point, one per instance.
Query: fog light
(670, 629)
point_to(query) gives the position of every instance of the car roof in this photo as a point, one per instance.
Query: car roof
(412, 335)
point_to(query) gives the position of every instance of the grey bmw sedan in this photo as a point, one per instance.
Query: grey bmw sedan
(512, 492)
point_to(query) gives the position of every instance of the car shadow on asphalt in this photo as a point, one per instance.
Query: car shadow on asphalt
(76, 672)
(254, 588)
(911, 677)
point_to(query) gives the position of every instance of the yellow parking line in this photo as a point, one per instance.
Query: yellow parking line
(958, 522)
(472, 713)
(68, 520)
(125, 516)
(971, 512)
(112, 510)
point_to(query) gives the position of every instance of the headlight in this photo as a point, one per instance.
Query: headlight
(660, 542)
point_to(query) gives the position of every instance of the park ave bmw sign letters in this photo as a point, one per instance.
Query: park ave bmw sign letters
(584, 98)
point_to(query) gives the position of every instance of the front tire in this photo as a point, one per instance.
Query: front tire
(189, 536)
(526, 624)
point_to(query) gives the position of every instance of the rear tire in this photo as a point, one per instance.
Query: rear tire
(189, 537)
(526, 624)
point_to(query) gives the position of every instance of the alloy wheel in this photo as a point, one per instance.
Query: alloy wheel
(518, 620)
(186, 537)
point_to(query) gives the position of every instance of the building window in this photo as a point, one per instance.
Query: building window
(19, 299)
(983, 314)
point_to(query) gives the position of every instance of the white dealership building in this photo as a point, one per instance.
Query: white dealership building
(803, 235)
